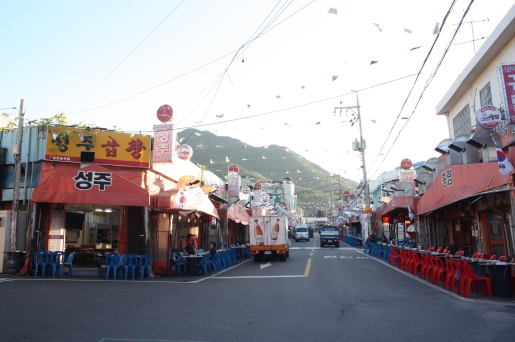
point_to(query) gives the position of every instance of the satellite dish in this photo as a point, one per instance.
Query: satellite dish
(443, 146)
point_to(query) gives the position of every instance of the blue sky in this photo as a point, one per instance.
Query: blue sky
(56, 52)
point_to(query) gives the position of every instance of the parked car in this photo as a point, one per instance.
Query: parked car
(301, 233)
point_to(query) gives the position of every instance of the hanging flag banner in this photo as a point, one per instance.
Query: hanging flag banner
(505, 167)
(163, 143)
(508, 86)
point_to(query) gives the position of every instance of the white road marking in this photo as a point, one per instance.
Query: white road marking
(330, 257)
(328, 248)
(6, 279)
(257, 277)
(265, 265)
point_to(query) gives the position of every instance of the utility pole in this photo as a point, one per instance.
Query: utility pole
(17, 173)
(360, 146)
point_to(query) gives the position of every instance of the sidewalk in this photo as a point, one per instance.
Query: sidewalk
(473, 295)
(91, 274)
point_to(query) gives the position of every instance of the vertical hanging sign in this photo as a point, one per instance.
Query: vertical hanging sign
(163, 143)
(57, 230)
(508, 87)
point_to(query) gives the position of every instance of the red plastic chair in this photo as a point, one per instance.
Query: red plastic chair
(450, 278)
(394, 256)
(429, 268)
(424, 267)
(409, 262)
(493, 257)
(402, 260)
(439, 272)
(502, 258)
(472, 277)
(416, 263)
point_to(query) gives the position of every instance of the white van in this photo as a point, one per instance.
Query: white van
(301, 232)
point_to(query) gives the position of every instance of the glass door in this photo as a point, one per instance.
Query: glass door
(495, 238)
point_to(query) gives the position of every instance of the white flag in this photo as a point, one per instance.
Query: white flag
(505, 166)
(411, 216)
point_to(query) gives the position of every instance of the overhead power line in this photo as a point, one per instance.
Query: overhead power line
(191, 71)
(130, 53)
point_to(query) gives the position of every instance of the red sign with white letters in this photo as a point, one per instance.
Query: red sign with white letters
(508, 85)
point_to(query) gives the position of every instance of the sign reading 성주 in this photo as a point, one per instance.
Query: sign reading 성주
(163, 143)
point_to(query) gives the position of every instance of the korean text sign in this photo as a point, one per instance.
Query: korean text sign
(163, 143)
(508, 85)
(111, 148)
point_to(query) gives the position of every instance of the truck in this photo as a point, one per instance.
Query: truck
(329, 235)
(269, 237)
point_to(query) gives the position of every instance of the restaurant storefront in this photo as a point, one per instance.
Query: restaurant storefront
(176, 213)
(396, 219)
(235, 223)
(468, 207)
(90, 211)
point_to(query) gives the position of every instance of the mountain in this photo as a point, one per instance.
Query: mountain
(314, 186)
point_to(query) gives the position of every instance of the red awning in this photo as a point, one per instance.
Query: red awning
(457, 182)
(401, 202)
(93, 184)
(235, 212)
(189, 199)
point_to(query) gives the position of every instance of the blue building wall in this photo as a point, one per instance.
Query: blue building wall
(33, 151)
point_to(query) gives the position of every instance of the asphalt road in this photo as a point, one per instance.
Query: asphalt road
(318, 294)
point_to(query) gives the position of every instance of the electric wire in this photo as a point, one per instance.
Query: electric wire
(191, 71)
(130, 53)
(414, 83)
(230, 63)
(425, 87)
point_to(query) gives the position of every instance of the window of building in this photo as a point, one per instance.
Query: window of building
(485, 95)
(461, 122)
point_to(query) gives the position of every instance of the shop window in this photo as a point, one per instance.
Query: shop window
(485, 95)
(461, 122)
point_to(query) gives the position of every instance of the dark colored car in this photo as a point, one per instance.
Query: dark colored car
(330, 235)
(310, 231)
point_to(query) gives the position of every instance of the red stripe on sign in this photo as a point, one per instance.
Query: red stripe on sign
(56, 237)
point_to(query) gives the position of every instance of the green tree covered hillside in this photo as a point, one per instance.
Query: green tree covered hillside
(314, 186)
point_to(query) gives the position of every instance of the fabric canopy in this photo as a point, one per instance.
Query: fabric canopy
(401, 202)
(189, 199)
(457, 182)
(92, 184)
(235, 212)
